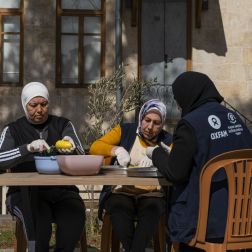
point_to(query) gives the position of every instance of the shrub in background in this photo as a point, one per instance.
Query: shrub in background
(103, 112)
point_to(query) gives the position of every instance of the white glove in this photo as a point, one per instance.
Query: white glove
(68, 151)
(165, 147)
(145, 162)
(149, 151)
(38, 146)
(122, 156)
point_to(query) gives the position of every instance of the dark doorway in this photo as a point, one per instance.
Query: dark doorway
(163, 46)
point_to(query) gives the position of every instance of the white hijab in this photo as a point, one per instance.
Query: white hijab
(32, 90)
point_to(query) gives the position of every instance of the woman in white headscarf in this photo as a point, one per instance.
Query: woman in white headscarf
(20, 141)
(126, 144)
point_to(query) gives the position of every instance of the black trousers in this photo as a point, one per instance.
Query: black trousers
(63, 207)
(134, 219)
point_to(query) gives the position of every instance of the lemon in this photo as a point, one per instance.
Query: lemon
(63, 144)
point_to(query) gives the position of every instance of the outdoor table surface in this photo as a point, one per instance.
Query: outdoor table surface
(30, 179)
(107, 178)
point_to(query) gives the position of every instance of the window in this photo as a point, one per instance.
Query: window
(80, 42)
(11, 41)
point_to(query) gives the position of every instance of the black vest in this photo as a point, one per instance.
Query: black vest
(217, 130)
(24, 132)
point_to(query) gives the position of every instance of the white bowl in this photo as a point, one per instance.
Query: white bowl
(80, 164)
(47, 164)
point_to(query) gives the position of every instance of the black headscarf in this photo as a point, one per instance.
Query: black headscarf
(192, 89)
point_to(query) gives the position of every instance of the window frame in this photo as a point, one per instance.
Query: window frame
(12, 12)
(81, 14)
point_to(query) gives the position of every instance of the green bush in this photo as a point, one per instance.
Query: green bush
(7, 239)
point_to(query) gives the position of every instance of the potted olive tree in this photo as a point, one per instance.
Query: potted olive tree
(103, 112)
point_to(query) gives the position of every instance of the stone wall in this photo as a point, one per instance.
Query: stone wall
(40, 61)
(39, 65)
(222, 48)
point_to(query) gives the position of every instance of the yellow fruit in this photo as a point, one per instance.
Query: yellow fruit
(63, 144)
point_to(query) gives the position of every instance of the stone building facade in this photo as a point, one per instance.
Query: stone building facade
(220, 46)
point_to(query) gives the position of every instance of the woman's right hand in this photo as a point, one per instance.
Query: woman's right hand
(166, 147)
(122, 156)
(150, 149)
(39, 145)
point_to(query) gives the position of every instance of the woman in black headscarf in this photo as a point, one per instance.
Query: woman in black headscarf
(202, 133)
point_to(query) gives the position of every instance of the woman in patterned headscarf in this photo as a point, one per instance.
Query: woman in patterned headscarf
(126, 144)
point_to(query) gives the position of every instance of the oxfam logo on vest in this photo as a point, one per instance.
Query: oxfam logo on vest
(214, 121)
(231, 118)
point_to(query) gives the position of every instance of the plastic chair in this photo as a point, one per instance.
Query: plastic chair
(21, 241)
(110, 241)
(238, 234)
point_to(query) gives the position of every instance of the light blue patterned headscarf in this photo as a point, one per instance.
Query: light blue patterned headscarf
(153, 104)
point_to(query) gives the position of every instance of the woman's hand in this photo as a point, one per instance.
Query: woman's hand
(149, 150)
(67, 150)
(39, 145)
(145, 162)
(166, 147)
(122, 156)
